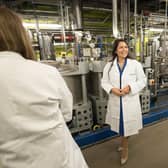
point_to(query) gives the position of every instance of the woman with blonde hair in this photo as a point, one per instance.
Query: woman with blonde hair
(35, 103)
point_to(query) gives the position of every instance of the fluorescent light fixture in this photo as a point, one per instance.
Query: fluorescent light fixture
(42, 26)
(156, 29)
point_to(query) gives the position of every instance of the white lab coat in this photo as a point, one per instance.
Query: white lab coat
(34, 102)
(134, 76)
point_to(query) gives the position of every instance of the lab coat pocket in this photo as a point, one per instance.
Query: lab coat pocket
(115, 124)
(131, 77)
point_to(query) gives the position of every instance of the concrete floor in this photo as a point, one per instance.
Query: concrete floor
(149, 149)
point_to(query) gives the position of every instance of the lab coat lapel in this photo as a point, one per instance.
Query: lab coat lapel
(115, 66)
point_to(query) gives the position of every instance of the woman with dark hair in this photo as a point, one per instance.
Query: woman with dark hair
(123, 79)
(35, 103)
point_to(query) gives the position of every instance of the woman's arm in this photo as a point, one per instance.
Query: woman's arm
(141, 80)
(66, 102)
(105, 82)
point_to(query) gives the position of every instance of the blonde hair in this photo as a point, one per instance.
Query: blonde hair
(13, 36)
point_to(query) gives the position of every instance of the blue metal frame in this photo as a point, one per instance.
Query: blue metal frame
(92, 137)
(155, 116)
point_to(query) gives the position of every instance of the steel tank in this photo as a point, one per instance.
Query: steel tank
(75, 78)
(71, 77)
(163, 66)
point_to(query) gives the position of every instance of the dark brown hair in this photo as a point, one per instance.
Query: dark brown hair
(114, 55)
(13, 36)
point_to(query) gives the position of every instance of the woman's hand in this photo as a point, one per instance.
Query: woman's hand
(117, 92)
(126, 89)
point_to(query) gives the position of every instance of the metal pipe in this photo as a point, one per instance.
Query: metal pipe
(100, 9)
(165, 32)
(142, 41)
(129, 19)
(156, 73)
(67, 18)
(84, 92)
(99, 86)
(114, 19)
(63, 25)
(135, 24)
(76, 9)
(44, 3)
(124, 17)
(39, 39)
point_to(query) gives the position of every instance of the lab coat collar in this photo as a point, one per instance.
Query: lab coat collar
(10, 54)
(115, 64)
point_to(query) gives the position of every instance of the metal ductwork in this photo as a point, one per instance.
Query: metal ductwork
(115, 23)
(77, 14)
(124, 15)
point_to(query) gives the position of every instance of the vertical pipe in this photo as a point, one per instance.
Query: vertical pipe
(67, 18)
(63, 24)
(84, 92)
(126, 16)
(156, 73)
(115, 24)
(39, 39)
(165, 29)
(142, 41)
(122, 19)
(129, 19)
(99, 85)
(135, 24)
(76, 9)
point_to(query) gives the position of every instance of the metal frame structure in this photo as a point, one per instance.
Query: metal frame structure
(85, 139)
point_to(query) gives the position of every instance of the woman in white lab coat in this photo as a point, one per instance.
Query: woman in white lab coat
(34, 105)
(123, 79)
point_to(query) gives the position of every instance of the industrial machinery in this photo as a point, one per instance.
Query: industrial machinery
(82, 109)
(97, 94)
(80, 55)
(75, 78)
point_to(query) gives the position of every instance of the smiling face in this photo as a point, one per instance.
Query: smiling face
(122, 50)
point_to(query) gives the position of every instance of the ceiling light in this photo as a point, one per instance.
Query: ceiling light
(42, 26)
(156, 29)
